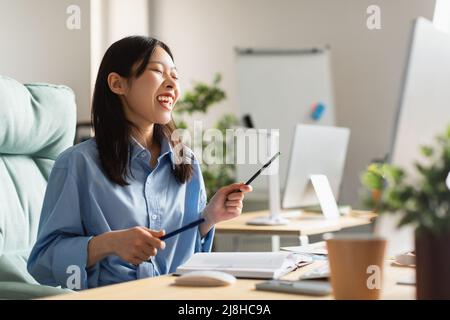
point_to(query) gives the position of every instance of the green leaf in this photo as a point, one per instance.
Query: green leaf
(201, 97)
(427, 151)
(372, 181)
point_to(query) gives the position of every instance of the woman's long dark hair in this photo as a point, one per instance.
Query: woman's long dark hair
(112, 129)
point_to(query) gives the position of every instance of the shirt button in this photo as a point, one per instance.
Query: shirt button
(154, 217)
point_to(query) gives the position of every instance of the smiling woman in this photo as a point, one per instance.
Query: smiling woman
(110, 198)
(131, 87)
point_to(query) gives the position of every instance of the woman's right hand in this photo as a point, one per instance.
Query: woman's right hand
(137, 244)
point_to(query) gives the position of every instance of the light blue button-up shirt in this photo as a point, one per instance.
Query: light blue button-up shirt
(81, 202)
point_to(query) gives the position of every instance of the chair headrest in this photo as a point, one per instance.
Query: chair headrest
(36, 119)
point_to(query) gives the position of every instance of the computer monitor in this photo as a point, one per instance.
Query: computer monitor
(424, 112)
(316, 150)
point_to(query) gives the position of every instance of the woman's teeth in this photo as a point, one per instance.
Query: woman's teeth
(166, 102)
(165, 99)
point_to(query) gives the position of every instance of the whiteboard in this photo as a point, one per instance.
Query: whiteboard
(425, 106)
(279, 89)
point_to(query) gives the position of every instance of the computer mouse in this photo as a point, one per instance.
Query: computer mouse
(205, 279)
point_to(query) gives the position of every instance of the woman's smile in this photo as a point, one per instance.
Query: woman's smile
(166, 101)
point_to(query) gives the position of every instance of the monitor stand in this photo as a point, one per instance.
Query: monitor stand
(275, 218)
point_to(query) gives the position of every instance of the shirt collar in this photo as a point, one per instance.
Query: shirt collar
(137, 149)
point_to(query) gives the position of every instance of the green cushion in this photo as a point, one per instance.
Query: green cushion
(37, 122)
(21, 290)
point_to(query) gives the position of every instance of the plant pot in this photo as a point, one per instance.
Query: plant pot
(432, 265)
(376, 198)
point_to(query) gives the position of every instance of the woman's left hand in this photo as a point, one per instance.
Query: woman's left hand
(226, 203)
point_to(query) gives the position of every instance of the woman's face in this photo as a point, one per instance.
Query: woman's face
(150, 98)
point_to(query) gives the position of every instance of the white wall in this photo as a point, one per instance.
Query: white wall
(367, 65)
(38, 47)
(113, 20)
(441, 17)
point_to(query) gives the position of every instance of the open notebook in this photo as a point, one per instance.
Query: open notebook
(259, 265)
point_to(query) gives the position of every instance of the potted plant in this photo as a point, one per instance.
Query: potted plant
(199, 100)
(423, 202)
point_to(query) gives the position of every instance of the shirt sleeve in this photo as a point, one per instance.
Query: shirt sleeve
(59, 257)
(203, 244)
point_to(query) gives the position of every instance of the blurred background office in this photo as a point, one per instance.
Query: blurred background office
(383, 78)
(367, 65)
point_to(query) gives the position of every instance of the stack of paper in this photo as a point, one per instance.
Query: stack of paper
(260, 265)
(318, 248)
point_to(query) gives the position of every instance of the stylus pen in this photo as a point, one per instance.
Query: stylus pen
(186, 227)
(201, 220)
(262, 169)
